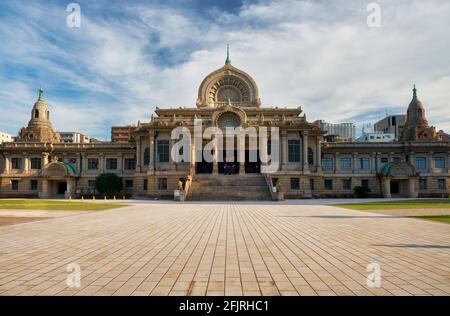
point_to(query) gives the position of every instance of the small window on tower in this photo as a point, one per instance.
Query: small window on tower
(36, 113)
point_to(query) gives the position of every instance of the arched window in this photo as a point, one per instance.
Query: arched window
(36, 113)
(310, 156)
(146, 156)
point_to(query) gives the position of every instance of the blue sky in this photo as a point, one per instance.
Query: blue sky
(129, 57)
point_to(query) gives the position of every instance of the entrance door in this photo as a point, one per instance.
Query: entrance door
(395, 187)
(229, 166)
(252, 162)
(62, 188)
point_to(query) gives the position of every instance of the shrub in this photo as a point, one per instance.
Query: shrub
(362, 192)
(108, 183)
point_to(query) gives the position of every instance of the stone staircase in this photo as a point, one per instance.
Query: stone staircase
(248, 187)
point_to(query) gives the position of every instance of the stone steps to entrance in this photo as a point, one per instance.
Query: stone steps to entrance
(229, 188)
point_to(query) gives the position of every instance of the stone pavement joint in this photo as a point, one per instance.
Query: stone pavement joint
(165, 248)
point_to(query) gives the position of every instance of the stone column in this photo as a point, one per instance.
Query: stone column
(430, 162)
(305, 152)
(373, 162)
(412, 159)
(120, 163)
(354, 162)
(336, 163)
(138, 154)
(7, 163)
(412, 188)
(101, 162)
(387, 188)
(284, 150)
(215, 170)
(151, 165)
(319, 154)
(448, 163)
(45, 189)
(84, 165)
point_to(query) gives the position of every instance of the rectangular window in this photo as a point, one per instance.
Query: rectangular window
(442, 184)
(162, 151)
(439, 162)
(364, 163)
(128, 184)
(16, 163)
(33, 185)
(365, 183)
(36, 163)
(92, 163)
(295, 184)
(421, 163)
(15, 185)
(423, 184)
(328, 185)
(346, 163)
(91, 183)
(162, 184)
(130, 164)
(145, 185)
(294, 150)
(327, 164)
(347, 184)
(384, 159)
(111, 164)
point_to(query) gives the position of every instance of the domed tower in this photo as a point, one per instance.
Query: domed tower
(39, 127)
(228, 85)
(416, 125)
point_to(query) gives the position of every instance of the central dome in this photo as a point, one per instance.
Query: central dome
(228, 83)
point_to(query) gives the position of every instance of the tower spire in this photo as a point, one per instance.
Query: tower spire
(414, 92)
(228, 60)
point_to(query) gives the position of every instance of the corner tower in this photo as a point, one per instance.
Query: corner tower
(416, 125)
(39, 127)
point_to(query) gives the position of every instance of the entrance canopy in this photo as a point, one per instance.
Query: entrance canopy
(58, 170)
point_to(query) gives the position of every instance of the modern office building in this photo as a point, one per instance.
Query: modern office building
(392, 124)
(345, 132)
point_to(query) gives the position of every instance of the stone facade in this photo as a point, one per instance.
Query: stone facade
(39, 165)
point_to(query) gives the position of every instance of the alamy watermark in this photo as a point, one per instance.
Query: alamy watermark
(73, 19)
(73, 280)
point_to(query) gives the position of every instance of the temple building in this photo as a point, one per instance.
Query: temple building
(39, 164)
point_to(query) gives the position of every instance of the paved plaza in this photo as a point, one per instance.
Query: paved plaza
(168, 248)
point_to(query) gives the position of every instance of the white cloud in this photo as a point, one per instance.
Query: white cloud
(317, 54)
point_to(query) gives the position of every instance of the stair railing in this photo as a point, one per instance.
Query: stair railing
(276, 191)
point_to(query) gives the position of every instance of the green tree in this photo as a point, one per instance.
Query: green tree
(108, 183)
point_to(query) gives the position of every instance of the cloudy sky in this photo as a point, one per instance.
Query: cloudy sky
(128, 58)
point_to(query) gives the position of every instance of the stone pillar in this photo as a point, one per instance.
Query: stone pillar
(193, 159)
(101, 162)
(305, 151)
(7, 163)
(284, 150)
(138, 154)
(215, 170)
(430, 162)
(373, 163)
(412, 159)
(319, 154)
(448, 163)
(45, 189)
(354, 162)
(412, 188)
(151, 147)
(120, 163)
(336, 162)
(387, 188)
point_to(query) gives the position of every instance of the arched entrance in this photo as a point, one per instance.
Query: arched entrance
(398, 179)
(58, 180)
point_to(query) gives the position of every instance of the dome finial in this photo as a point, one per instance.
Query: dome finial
(414, 92)
(41, 94)
(228, 60)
